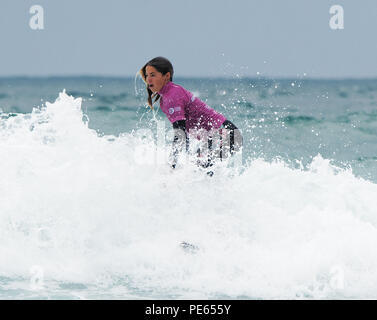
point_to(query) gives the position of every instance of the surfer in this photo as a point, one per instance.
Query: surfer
(188, 114)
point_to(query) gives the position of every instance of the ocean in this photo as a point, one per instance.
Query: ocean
(90, 209)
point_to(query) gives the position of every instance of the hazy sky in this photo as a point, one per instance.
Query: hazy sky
(201, 38)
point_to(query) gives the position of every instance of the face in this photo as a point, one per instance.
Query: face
(155, 80)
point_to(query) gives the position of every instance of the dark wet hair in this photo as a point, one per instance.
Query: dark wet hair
(162, 65)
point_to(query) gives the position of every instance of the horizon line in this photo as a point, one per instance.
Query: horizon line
(57, 76)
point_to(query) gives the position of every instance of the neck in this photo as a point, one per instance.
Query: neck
(162, 89)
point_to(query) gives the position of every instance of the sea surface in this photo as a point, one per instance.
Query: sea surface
(90, 208)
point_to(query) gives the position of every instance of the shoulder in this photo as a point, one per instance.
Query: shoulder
(175, 88)
(177, 92)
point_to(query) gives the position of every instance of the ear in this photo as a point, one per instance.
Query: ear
(168, 75)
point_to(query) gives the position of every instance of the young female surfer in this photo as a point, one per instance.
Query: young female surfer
(186, 112)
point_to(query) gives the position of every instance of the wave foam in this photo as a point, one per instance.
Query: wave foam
(83, 209)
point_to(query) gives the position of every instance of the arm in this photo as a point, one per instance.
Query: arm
(180, 140)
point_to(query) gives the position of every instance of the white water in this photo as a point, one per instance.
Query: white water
(83, 214)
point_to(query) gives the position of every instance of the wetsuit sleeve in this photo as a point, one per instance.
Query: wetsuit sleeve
(180, 141)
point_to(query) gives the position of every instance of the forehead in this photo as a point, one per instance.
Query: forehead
(150, 69)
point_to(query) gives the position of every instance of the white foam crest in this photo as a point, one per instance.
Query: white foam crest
(82, 208)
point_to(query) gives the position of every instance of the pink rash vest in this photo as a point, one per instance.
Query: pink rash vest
(180, 104)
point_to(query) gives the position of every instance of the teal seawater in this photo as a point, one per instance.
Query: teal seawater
(289, 119)
(82, 217)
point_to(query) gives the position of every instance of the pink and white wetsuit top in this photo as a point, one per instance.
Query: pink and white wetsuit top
(180, 104)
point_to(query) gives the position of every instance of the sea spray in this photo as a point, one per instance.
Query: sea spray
(81, 213)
